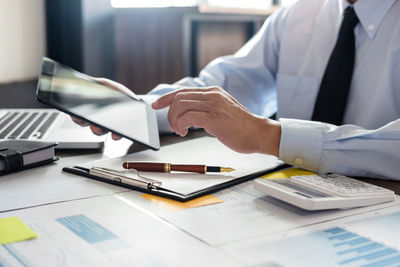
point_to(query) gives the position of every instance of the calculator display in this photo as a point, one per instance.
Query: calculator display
(303, 191)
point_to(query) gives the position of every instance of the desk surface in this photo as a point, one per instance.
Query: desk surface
(83, 222)
(55, 204)
(22, 94)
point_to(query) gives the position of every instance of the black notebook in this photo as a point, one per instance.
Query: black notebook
(17, 155)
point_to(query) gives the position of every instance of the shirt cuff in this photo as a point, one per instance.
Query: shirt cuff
(162, 114)
(301, 143)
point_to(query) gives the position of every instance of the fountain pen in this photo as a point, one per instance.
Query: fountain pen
(168, 167)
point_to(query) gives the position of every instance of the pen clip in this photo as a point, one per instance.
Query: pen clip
(121, 177)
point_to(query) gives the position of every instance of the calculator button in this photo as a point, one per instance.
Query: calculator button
(299, 161)
(339, 185)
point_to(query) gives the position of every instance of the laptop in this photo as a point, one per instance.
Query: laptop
(47, 125)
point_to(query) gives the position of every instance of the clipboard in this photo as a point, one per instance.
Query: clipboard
(181, 186)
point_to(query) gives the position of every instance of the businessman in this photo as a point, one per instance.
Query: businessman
(329, 69)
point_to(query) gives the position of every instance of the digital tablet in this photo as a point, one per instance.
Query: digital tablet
(79, 95)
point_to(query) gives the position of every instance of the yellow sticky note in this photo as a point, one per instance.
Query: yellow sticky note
(287, 173)
(177, 205)
(13, 230)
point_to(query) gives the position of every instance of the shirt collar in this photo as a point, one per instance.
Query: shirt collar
(369, 12)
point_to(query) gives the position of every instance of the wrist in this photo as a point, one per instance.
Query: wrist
(269, 137)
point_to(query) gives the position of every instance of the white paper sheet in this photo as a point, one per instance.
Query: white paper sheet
(203, 151)
(244, 214)
(105, 231)
(48, 184)
(369, 238)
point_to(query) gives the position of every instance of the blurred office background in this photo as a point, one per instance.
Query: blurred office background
(137, 43)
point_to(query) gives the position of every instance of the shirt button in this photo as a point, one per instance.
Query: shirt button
(371, 27)
(298, 161)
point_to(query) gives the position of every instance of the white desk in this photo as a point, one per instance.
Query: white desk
(82, 222)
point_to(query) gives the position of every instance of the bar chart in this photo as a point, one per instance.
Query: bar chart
(359, 244)
(360, 249)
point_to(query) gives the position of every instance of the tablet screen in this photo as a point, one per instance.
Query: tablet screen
(121, 112)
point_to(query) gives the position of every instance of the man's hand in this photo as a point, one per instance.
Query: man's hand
(117, 86)
(96, 130)
(221, 116)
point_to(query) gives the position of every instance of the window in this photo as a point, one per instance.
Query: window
(246, 4)
(153, 3)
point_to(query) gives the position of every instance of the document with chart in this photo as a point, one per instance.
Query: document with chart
(245, 213)
(104, 231)
(364, 240)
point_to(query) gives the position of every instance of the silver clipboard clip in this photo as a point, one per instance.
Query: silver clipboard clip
(121, 177)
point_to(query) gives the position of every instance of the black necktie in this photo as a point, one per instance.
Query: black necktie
(334, 90)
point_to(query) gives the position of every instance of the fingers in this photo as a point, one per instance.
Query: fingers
(97, 130)
(180, 107)
(79, 121)
(197, 103)
(115, 137)
(193, 118)
(166, 100)
(204, 101)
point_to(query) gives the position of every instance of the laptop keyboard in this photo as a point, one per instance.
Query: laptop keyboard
(33, 126)
(46, 125)
(24, 125)
(12, 126)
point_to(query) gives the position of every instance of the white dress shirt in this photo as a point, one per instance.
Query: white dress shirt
(280, 70)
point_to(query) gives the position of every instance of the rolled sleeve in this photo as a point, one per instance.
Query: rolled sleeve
(301, 143)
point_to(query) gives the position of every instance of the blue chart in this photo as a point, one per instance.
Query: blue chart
(331, 247)
(353, 248)
(92, 232)
(87, 229)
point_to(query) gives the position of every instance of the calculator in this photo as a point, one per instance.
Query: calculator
(328, 191)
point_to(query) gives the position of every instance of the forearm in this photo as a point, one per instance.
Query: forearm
(348, 149)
